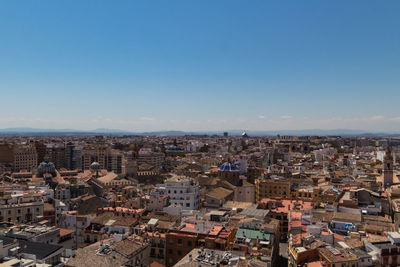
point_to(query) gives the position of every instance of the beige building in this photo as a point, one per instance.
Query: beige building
(95, 153)
(272, 188)
(109, 159)
(244, 193)
(146, 155)
(24, 212)
(115, 161)
(25, 157)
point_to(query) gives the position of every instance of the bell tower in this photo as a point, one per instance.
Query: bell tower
(388, 168)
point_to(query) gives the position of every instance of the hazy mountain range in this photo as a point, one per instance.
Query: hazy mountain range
(104, 131)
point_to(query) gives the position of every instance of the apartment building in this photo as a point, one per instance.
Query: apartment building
(95, 153)
(182, 191)
(6, 153)
(272, 188)
(196, 234)
(22, 212)
(56, 154)
(25, 157)
(115, 161)
(147, 155)
(72, 220)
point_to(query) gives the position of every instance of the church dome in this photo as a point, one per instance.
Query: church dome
(173, 149)
(46, 167)
(95, 166)
(228, 167)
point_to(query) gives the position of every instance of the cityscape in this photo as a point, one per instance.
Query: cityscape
(199, 133)
(207, 200)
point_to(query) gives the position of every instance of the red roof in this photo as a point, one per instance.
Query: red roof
(64, 232)
(156, 264)
(337, 236)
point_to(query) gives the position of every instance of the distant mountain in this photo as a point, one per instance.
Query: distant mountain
(110, 131)
(318, 132)
(105, 131)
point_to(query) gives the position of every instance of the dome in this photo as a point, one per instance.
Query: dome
(228, 167)
(95, 166)
(46, 167)
(174, 148)
(244, 134)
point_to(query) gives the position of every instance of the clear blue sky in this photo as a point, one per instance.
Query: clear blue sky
(200, 65)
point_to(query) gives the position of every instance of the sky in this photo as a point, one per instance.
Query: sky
(200, 65)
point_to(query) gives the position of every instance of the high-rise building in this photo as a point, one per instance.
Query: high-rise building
(77, 157)
(69, 155)
(95, 153)
(114, 161)
(6, 153)
(25, 157)
(147, 155)
(57, 155)
(41, 150)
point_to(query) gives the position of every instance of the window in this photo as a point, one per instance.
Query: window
(179, 241)
(171, 241)
(189, 243)
(170, 251)
(179, 252)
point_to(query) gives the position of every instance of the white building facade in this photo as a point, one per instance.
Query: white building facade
(182, 192)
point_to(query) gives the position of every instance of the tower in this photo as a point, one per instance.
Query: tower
(388, 168)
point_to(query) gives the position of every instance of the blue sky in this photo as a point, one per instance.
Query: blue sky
(200, 65)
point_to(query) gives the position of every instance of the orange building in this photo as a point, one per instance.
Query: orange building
(195, 235)
(270, 188)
